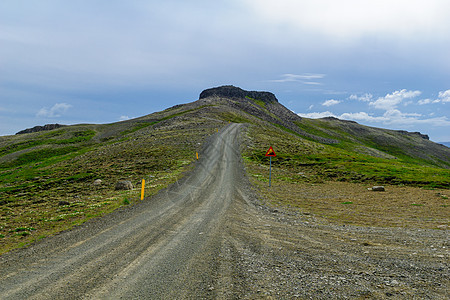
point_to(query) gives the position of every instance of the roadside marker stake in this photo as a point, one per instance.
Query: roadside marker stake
(196, 154)
(142, 189)
(270, 153)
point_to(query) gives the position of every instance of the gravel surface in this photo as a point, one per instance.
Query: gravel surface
(207, 236)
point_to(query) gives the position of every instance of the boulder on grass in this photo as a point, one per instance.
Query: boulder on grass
(97, 182)
(124, 185)
(378, 188)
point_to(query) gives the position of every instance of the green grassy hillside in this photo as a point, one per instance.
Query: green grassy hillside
(46, 178)
(304, 160)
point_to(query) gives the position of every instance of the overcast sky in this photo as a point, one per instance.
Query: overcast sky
(382, 63)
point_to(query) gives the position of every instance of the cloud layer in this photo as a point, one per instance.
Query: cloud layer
(307, 78)
(347, 19)
(331, 102)
(55, 111)
(391, 101)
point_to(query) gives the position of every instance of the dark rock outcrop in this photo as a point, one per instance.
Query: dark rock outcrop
(424, 136)
(41, 128)
(336, 119)
(230, 91)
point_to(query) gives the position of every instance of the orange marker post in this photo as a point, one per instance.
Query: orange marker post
(142, 189)
(196, 154)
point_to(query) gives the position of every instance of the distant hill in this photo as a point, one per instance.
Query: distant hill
(229, 103)
(41, 128)
(346, 135)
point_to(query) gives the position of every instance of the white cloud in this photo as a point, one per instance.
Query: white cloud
(317, 115)
(124, 118)
(365, 98)
(331, 102)
(312, 83)
(361, 116)
(395, 117)
(303, 78)
(444, 96)
(390, 101)
(55, 111)
(391, 117)
(395, 114)
(424, 101)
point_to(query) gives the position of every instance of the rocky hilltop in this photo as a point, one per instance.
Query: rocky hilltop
(230, 91)
(41, 128)
(263, 105)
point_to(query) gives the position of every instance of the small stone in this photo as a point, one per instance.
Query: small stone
(124, 185)
(378, 188)
(97, 182)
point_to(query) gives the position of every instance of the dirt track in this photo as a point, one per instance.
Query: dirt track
(207, 237)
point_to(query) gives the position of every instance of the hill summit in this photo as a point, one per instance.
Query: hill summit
(230, 91)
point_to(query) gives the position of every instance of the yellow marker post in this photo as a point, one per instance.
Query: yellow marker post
(142, 189)
(196, 154)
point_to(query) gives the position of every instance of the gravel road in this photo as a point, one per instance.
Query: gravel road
(207, 236)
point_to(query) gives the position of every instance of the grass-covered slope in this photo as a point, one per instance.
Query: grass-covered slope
(46, 178)
(411, 147)
(304, 160)
(334, 149)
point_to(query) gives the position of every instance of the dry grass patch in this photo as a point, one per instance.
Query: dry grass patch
(352, 203)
